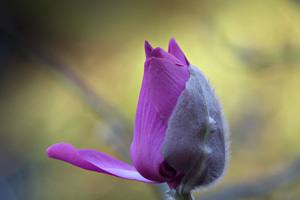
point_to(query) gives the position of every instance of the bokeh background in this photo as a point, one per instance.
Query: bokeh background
(71, 71)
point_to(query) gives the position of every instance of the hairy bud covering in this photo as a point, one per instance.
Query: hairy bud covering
(196, 138)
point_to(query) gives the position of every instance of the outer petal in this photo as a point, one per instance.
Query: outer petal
(175, 50)
(166, 82)
(162, 84)
(94, 161)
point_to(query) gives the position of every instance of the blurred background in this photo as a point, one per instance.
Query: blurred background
(71, 71)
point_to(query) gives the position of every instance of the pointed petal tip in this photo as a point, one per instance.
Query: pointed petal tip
(147, 43)
(172, 40)
(176, 51)
(172, 44)
(148, 49)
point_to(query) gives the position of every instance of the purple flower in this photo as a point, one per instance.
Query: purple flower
(179, 132)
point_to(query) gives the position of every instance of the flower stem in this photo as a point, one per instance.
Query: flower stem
(174, 195)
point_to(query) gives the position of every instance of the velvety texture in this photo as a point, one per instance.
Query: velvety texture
(196, 142)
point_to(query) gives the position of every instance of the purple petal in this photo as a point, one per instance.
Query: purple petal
(148, 136)
(94, 161)
(175, 50)
(162, 84)
(166, 82)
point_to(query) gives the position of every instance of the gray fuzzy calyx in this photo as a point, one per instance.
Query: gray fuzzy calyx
(196, 142)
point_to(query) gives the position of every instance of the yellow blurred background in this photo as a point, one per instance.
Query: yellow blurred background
(53, 55)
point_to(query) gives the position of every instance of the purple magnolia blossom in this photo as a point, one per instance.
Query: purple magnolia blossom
(179, 132)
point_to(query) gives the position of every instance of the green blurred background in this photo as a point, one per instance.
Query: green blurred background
(71, 71)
